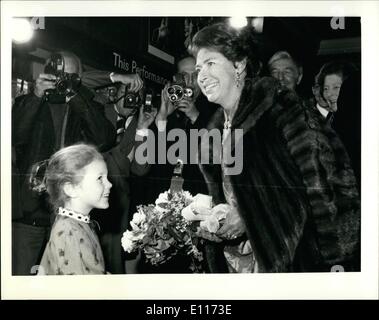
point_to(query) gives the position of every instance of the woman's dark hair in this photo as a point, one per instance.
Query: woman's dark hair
(341, 68)
(234, 44)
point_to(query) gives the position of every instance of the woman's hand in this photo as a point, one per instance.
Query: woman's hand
(200, 232)
(233, 226)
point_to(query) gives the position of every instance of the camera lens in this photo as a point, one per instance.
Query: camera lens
(175, 93)
(112, 92)
(173, 98)
(129, 99)
(171, 90)
(179, 95)
(188, 92)
(132, 100)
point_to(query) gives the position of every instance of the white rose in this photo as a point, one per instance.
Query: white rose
(139, 217)
(160, 209)
(127, 241)
(203, 201)
(134, 226)
(138, 235)
(162, 198)
(188, 197)
(188, 214)
(162, 202)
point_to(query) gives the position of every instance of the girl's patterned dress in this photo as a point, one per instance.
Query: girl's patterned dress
(73, 247)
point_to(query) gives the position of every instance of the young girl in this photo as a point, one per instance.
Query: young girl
(76, 181)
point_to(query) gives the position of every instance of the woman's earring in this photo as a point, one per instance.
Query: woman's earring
(238, 79)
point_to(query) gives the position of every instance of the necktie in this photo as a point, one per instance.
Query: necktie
(330, 117)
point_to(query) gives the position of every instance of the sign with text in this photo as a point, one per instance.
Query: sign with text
(132, 66)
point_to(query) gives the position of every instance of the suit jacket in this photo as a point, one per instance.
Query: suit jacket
(120, 169)
(347, 121)
(95, 78)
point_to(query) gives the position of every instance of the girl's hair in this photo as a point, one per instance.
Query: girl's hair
(65, 166)
(234, 44)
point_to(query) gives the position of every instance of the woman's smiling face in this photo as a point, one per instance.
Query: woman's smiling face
(332, 86)
(216, 76)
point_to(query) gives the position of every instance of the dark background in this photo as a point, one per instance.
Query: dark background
(95, 38)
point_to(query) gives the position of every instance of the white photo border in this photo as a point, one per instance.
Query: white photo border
(361, 285)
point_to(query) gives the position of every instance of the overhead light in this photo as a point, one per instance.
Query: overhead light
(238, 22)
(22, 30)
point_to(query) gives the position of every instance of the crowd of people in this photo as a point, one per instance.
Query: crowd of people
(294, 207)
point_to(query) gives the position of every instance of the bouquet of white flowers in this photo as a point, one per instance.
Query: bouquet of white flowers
(171, 226)
(161, 231)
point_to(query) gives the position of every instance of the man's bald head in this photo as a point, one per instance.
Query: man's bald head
(72, 63)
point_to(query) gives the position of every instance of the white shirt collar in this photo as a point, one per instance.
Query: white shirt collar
(322, 110)
(128, 119)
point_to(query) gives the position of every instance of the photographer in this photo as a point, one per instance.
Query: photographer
(192, 111)
(130, 118)
(60, 112)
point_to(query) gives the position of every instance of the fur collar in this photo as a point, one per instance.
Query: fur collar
(257, 97)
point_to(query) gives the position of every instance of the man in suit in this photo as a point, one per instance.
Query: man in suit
(317, 102)
(129, 122)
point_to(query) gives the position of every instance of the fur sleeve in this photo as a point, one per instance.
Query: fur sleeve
(328, 178)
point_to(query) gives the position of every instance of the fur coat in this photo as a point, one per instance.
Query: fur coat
(296, 194)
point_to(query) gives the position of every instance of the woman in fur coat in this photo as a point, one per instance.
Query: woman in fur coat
(294, 207)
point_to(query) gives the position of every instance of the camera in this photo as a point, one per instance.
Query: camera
(132, 100)
(145, 98)
(66, 84)
(180, 89)
(150, 100)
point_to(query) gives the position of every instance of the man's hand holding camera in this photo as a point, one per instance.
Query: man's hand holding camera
(43, 83)
(184, 104)
(178, 96)
(49, 85)
(132, 81)
(145, 119)
(167, 107)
